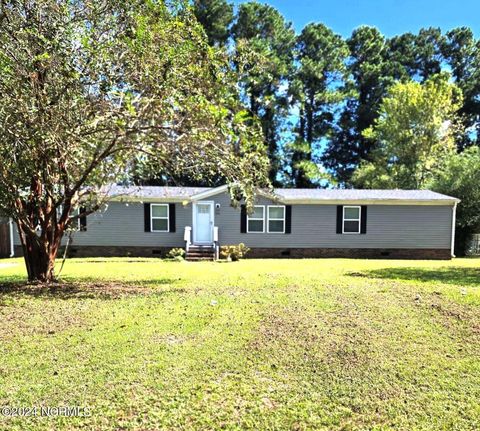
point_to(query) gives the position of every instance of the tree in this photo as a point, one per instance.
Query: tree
(216, 17)
(371, 79)
(460, 177)
(317, 89)
(265, 40)
(376, 63)
(462, 53)
(428, 55)
(414, 134)
(90, 89)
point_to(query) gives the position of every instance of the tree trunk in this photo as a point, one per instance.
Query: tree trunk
(39, 256)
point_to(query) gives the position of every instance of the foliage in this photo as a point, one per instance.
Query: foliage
(216, 16)
(414, 135)
(376, 63)
(371, 76)
(396, 338)
(176, 254)
(316, 88)
(262, 35)
(460, 177)
(234, 252)
(92, 92)
(462, 53)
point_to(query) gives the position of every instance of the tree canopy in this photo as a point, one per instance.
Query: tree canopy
(460, 177)
(414, 134)
(92, 91)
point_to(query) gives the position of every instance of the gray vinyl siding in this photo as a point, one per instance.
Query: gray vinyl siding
(122, 224)
(313, 225)
(388, 226)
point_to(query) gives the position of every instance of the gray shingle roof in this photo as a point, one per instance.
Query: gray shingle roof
(154, 192)
(290, 195)
(352, 195)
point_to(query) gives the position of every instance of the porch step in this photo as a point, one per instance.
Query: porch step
(200, 252)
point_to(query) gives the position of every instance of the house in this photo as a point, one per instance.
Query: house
(149, 221)
(6, 237)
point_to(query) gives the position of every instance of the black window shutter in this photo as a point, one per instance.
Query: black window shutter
(339, 218)
(288, 219)
(146, 216)
(171, 217)
(243, 219)
(83, 219)
(363, 227)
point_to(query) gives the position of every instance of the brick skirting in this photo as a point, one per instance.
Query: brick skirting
(109, 251)
(353, 253)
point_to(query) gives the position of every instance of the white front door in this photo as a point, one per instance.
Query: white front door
(203, 227)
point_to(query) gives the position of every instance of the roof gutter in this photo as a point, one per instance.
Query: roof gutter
(454, 218)
(369, 201)
(12, 248)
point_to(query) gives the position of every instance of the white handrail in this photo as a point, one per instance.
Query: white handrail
(187, 236)
(215, 242)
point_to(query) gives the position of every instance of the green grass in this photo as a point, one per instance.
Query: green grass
(331, 344)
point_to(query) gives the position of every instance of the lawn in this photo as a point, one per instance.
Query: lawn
(332, 344)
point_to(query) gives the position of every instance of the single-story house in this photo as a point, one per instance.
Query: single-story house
(149, 221)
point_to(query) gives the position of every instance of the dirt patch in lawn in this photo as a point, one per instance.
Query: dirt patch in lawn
(46, 310)
(78, 290)
(30, 320)
(298, 338)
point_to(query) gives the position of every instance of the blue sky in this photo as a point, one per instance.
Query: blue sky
(390, 16)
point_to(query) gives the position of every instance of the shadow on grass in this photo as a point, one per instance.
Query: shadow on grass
(447, 275)
(88, 289)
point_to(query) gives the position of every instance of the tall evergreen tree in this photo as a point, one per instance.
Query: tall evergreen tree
(462, 52)
(375, 64)
(262, 34)
(428, 54)
(369, 70)
(317, 89)
(216, 17)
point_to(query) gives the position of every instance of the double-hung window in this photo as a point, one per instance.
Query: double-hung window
(256, 220)
(159, 217)
(351, 219)
(276, 219)
(77, 225)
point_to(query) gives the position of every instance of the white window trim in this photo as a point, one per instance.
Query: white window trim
(276, 219)
(159, 218)
(59, 211)
(359, 219)
(257, 219)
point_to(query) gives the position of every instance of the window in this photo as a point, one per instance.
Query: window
(159, 217)
(76, 226)
(276, 219)
(256, 221)
(351, 219)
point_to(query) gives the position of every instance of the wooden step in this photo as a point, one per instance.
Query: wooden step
(199, 253)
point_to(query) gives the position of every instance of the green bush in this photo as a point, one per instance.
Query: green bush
(234, 252)
(176, 253)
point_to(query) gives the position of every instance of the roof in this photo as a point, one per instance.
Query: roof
(351, 194)
(154, 192)
(180, 194)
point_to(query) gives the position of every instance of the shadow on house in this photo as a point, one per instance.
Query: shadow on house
(447, 275)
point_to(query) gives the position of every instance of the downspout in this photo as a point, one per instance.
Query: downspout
(454, 217)
(12, 248)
